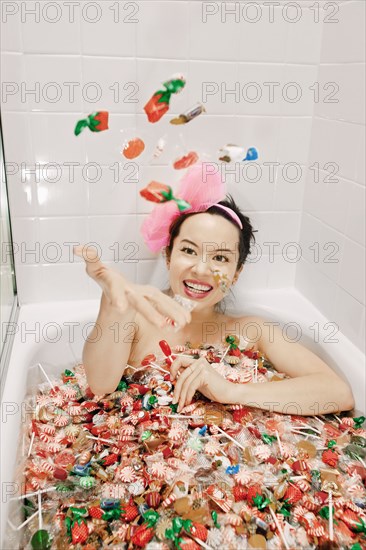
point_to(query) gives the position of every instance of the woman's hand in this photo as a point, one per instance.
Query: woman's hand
(198, 375)
(123, 295)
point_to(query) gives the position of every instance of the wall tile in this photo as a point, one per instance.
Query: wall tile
(109, 84)
(337, 45)
(206, 23)
(115, 236)
(316, 287)
(53, 28)
(352, 270)
(355, 220)
(348, 315)
(13, 82)
(304, 37)
(113, 33)
(46, 75)
(54, 236)
(260, 89)
(172, 43)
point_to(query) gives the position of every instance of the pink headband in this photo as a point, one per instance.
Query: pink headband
(202, 188)
(231, 213)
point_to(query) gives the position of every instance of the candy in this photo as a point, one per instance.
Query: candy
(159, 192)
(234, 153)
(158, 105)
(189, 115)
(186, 161)
(133, 148)
(96, 122)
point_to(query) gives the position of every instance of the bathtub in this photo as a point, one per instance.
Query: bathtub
(53, 334)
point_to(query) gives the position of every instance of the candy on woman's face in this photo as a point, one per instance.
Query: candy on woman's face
(222, 280)
(133, 148)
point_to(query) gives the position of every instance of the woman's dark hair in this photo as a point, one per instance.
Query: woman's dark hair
(246, 234)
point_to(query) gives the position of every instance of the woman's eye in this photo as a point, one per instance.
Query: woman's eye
(187, 249)
(221, 258)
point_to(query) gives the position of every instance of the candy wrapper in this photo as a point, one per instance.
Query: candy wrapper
(186, 161)
(158, 105)
(125, 470)
(96, 122)
(189, 115)
(159, 192)
(234, 153)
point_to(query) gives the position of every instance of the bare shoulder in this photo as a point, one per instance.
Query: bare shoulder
(250, 327)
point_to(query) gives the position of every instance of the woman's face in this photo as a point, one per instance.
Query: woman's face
(206, 243)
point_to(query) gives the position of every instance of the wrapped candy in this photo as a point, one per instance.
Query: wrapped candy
(186, 161)
(159, 192)
(234, 153)
(217, 475)
(96, 122)
(133, 148)
(158, 105)
(189, 115)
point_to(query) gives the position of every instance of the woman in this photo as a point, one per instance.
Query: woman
(205, 248)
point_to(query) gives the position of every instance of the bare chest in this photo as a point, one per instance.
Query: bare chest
(213, 333)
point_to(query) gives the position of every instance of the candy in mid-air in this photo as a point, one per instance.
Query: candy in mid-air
(186, 161)
(159, 192)
(234, 153)
(96, 122)
(189, 115)
(159, 148)
(133, 148)
(158, 105)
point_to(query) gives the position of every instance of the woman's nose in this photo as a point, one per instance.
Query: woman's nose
(202, 266)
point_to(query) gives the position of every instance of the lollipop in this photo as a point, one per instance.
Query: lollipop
(96, 122)
(158, 105)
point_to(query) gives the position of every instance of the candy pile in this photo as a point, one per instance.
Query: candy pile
(126, 471)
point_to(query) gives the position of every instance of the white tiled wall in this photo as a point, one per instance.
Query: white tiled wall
(334, 204)
(220, 47)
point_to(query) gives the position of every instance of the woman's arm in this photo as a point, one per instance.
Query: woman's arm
(314, 388)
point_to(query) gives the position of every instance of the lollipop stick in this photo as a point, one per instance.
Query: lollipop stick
(40, 521)
(282, 535)
(330, 505)
(226, 352)
(279, 443)
(46, 376)
(231, 438)
(31, 444)
(24, 522)
(34, 493)
(102, 440)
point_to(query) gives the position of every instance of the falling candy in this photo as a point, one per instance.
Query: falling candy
(158, 105)
(133, 148)
(189, 115)
(96, 122)
(159, 192)
(159, 148)
(234, 153)
(186, 161)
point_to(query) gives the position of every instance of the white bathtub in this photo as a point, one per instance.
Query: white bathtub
(61, 331)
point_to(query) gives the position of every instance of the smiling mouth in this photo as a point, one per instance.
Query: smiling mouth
(197, 289)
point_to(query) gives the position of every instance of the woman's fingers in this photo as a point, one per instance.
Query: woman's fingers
(190, 384)
(182, 378)
(179, 362)
(168, 307)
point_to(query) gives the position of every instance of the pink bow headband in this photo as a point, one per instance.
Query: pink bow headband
(201, 187)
